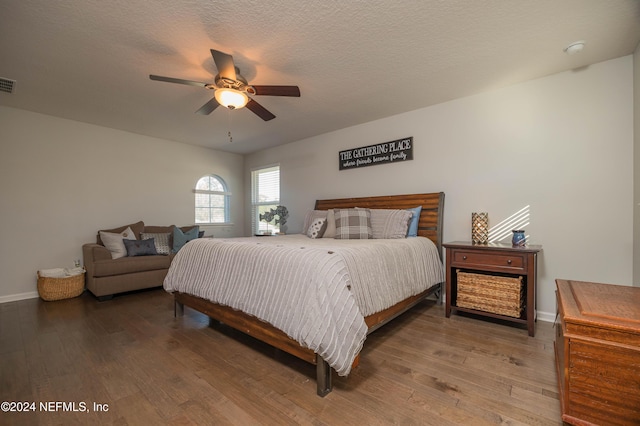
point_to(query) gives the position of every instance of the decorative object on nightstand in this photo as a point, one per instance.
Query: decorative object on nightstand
(493, 280)
(480, 228)
(518, 239)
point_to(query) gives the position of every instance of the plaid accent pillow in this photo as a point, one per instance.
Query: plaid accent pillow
(353, 224)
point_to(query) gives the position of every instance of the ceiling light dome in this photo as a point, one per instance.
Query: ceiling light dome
(231, 98)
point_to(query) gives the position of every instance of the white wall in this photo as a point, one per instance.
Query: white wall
(562, 144)
(61, 181)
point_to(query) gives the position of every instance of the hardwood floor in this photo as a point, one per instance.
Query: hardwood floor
(146, 367)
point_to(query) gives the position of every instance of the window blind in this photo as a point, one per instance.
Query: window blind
(265, 195)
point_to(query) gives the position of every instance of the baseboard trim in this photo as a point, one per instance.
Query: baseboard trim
(546, 316)
(19, 296)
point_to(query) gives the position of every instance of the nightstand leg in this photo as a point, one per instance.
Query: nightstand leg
(447, 306)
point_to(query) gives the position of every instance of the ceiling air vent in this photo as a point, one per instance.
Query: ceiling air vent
(7, 85)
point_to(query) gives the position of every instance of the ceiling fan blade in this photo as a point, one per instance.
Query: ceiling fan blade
(277, 90)
(224, 62)
(208, 108)
(259, 110)
(178, 80)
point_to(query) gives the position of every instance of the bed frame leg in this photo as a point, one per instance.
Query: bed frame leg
(323, 376)
(178, 309)
(441, 293)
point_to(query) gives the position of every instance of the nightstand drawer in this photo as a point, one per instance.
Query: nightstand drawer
(473, 258)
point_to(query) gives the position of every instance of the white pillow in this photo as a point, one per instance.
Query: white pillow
(330, 232)
(113, 242)
(317, 228)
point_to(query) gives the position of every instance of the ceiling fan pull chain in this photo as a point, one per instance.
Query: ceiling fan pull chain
(229, 116)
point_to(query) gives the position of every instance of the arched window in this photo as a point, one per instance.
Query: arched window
(212, 200)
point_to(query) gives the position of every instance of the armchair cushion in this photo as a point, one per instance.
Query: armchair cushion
(131, 265)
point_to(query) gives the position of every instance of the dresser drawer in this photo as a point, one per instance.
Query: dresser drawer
(507, 261)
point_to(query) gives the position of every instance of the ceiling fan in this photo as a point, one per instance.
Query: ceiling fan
(231, 88)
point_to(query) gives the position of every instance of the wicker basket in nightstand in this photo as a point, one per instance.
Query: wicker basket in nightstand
(490, 293)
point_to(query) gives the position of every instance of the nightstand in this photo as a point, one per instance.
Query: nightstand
(496, 263)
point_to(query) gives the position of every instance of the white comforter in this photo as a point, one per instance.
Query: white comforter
(316, 291)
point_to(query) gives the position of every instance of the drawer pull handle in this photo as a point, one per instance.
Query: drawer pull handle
(509, 261)
(464, 257)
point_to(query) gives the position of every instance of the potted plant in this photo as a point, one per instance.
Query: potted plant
(280, 214)
(267, 217)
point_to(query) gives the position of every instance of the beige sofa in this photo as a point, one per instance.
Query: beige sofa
(107, 276)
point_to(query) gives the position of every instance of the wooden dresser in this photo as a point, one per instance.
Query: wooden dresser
(598, 353)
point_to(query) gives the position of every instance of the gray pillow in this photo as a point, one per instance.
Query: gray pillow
(311, 216)
(140, 247)
(390, 223)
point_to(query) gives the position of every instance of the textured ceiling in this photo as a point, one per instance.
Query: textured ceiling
(355, 61)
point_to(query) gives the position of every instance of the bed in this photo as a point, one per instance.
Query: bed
(314, 299)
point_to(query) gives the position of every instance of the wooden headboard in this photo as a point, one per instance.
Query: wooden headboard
(430, 224)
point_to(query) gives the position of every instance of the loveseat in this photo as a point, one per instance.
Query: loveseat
(144, 264)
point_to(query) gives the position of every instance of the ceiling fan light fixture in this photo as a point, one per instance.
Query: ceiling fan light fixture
(231, 98)
(231, 89)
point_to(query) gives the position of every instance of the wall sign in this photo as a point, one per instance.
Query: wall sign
(372, 155)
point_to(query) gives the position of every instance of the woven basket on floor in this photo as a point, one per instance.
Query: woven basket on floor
(490, 293)
(51, 289)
